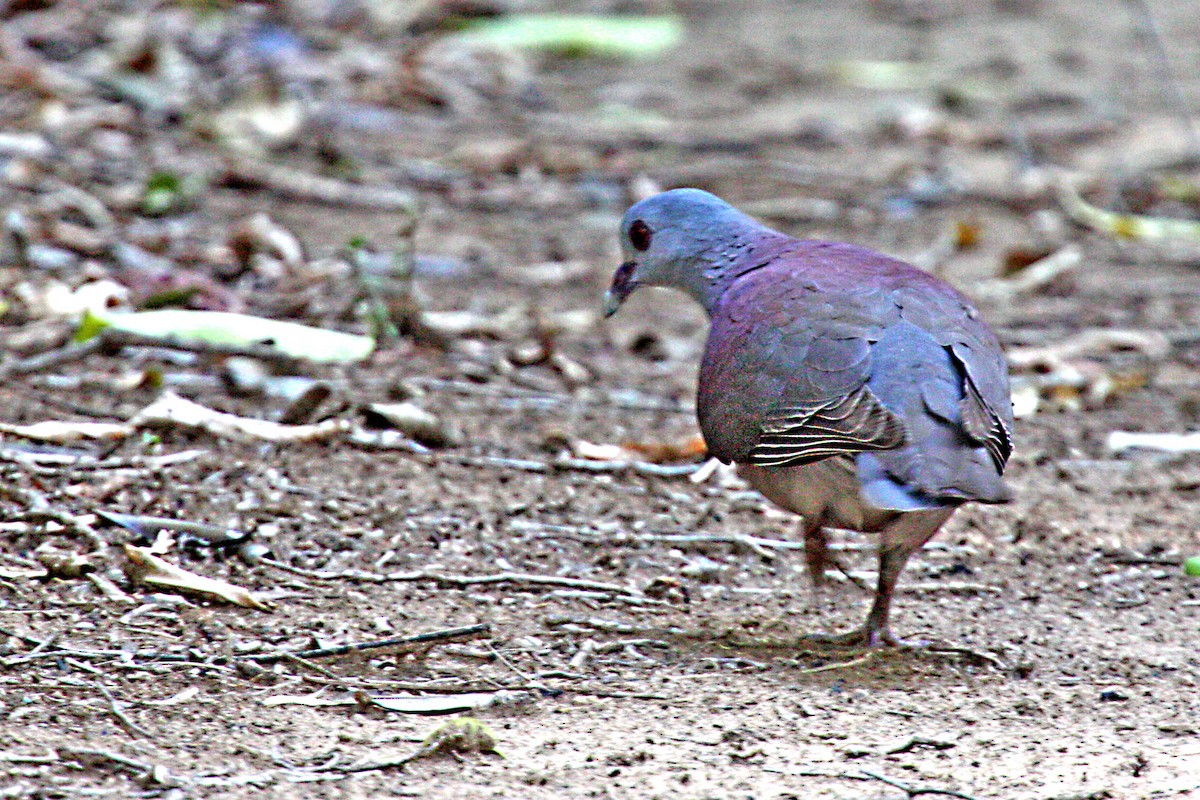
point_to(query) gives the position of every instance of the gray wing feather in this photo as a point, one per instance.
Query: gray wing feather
(800, 434)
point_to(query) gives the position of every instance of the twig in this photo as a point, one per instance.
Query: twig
(952, 588)
(288, 182)
(539, 398)
(638, 467)
(503, 659)
(978, 655)
(854, 662)
(72, 523)
(121, 716)
(41, 362)
(87, 755)
(456, 581)
(62, 652)
(517, 578)
(570, 465)
(45, 644)
(433, 637)
(913, 742)
(756, 544)
(867, 775)
(310, 665)
(914, 791)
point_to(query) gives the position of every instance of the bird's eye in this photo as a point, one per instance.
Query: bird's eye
(639, 235)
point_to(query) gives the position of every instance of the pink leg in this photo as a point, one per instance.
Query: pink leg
(899, 540)
(816, 551)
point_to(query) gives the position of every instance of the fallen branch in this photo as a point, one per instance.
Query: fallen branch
(417, 640)
(914, 791)
(287, 182)
(456, 581)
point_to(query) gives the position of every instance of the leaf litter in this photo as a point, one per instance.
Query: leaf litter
(224, 166)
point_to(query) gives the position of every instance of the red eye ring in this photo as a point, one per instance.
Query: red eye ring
(639, 235)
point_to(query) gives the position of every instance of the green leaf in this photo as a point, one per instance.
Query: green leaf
(236, 330)
(89, 326)
(167, 193)
(580, 35)
(1192, 566)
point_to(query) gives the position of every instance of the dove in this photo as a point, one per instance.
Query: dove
(847, 386)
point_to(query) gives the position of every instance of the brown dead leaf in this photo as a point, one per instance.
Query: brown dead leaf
(691, 449)
(146, 568)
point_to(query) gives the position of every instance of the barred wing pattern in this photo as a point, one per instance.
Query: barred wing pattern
(806, 433)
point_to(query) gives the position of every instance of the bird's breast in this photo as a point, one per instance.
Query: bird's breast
(825, 490)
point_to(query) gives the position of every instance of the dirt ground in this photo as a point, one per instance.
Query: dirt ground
(663, 656)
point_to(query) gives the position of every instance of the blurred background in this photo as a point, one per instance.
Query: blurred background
(405, 214)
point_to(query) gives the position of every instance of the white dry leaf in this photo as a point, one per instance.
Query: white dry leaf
(62, 432)
(262, 234)
(258, 123)
(412, 420)
(435, 704)
(512, 323)
(1040, 273)
(549, 273)
(315, 700)
(508, 324)
(178, 698)
(172, 410)
(146, 568)
(581, 448)
(706, 471)
(99, 297)
(18, 573)
(181, 327)
(1120, 441)
(1026, 400)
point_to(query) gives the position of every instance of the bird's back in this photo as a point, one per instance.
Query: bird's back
(829, 349)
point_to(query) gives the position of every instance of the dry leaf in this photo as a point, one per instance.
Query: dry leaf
(1120, 441)
(61, 432)
(315, 700)
(180, 697)
(147, 568)
(172, 410)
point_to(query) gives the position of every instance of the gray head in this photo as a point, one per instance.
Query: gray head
(685, 239)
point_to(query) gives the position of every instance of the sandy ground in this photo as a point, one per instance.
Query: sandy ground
(1063, 660)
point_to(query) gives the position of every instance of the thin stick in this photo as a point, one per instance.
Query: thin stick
(517, 578)
(913, 791)
(433, 637)
(508, 663)
(854, 662)
(540, 398)
(121, 716)
(76, 351)
(455, 581)
(86, 755)
(306, 186)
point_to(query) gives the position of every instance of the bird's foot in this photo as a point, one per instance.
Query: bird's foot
(866, 637)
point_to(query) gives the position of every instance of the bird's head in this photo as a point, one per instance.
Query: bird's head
(680, 239)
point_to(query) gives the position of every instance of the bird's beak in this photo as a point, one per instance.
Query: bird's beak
(623, 284)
